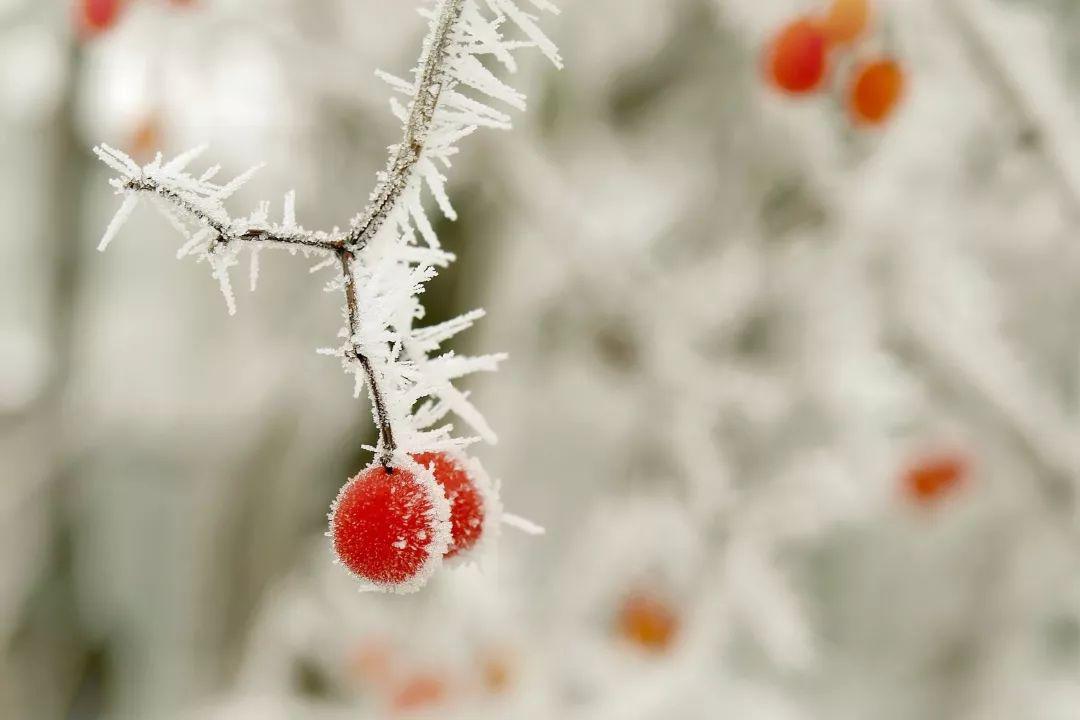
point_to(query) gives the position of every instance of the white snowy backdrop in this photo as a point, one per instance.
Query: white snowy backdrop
(734, 323)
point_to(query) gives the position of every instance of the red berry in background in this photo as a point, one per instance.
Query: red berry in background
(96, 16)
(797, 59)
(465, 497)
(390, 527)
(932, 478)
(846, 20)
(876, 89)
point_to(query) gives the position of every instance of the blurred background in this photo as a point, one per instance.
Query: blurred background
(794, 381)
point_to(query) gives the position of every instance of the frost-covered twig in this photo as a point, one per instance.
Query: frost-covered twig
(390, 250)
(386, 429)
(404, 158)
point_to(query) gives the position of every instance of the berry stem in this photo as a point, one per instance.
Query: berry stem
(382, 417)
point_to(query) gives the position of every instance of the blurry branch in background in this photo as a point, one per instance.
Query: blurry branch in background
(1001, 389)
(383, 265)
(1034, 130)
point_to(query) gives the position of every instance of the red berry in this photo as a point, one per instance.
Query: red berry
(931, 478)
(875, 91)
(797, 61)
(391, 527)
(467, 513)
(98, 15)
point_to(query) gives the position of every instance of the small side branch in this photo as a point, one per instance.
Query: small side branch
(347, 258)
(225, 235)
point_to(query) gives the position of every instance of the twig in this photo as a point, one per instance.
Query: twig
(224, 232)
(406, 155)
(386, 430)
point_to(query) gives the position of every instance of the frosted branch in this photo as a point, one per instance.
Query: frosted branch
(382, 262)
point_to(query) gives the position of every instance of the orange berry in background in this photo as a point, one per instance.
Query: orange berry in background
(497, 671)
(647, 622)
(876, 89)
(145, 138)
(846, 20)
(931, 478)
(420, 691)
(796, 60)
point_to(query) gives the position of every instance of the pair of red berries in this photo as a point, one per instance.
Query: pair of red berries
(798, 61)
(392, 527)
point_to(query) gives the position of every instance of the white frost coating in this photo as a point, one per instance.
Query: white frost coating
(253, 273)
(118, 220)
(181, 161)
(523, 524)
(529, 27)
(198, 241)
(221, 261)
(288, 216)
(236, 183)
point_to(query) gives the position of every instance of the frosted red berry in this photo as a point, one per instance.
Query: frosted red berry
(98, 15)
(466, 499)
(797, 59)
(385, 525)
